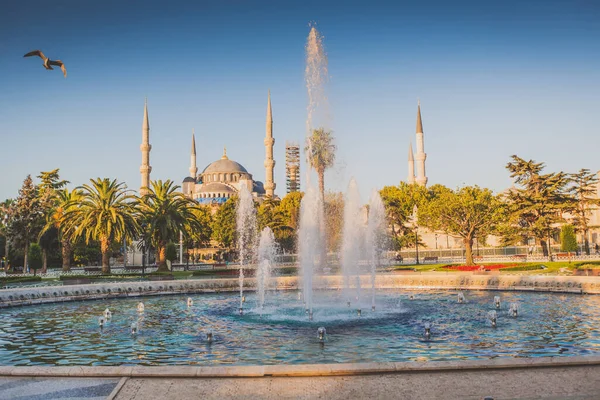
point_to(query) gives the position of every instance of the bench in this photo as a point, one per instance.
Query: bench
(134, 268)
(431, 259)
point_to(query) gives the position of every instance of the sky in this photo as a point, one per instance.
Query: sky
(495, 78)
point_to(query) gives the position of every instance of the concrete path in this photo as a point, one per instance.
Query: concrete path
(18, 388)
(572, 383)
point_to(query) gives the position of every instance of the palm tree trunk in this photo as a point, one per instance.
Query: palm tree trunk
(44, 261)
(469, 251)
(66, 255)
(321, 175)
(105, 249)
(162, 259)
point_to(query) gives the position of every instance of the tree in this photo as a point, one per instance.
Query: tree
(5, 219)
(48, 193)
(55, 219)
(105, 214)
(167, 212)
(170, 253)
(27, 218)
(535, 207)
(568, 241)
(223, 226)
(583, 189)
(399, 202)
(34, 254)
(333, 210)
(321, 154)
(270, 214)
(469, 212)
(290, 208)
(51, 180)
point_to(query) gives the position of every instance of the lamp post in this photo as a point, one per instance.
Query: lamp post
(143, 249)
(414, 215)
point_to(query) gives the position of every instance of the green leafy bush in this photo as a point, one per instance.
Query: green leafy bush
(524, 268)
(20, 279)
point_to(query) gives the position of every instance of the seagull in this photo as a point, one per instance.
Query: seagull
(47, 62)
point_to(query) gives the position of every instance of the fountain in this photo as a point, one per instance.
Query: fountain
(493, 317)
(310, 244)
(101, 322)
(497, 301)
(461, 297)
(267, 250)
(140, 307)
(190, 302)
(209, 337)
(246, 231)
(352, 239)
(427, 331)
(107, 314)
(134, 328)
(321, 332)
(375, 233)
(513, 309)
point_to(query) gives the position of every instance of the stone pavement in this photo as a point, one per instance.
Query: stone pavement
(549, 383)
(52, 388)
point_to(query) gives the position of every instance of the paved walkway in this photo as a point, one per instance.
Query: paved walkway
(18, 388)
(573, 383)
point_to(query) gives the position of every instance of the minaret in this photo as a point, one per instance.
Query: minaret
(145, 168)
(193, 168)
(421, 156)
(269, 162)
(411, 166)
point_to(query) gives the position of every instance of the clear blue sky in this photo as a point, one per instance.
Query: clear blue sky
(495, 78)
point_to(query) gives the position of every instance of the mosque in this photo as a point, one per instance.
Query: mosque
(222, 178)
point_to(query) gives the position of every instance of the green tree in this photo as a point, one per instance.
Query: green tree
(48, 190)
(568, 241)
(27, 218)
(321, 154)
(223, 226)
(333, 210)
(34, 255)
(399, 202)
(290, 208)
(55, 219)
(536, 204)
(105, 214)
(5, 219)
(271, 214)
(583, 189)
(170, 252)
(469, 212)
(167, 212)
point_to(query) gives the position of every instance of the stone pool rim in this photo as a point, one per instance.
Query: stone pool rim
(297, 370)
(24, 296)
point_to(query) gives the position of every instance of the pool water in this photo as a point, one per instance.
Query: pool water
(170, 333)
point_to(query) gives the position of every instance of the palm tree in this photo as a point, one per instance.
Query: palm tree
(321, 154)
(5, 214)
(166, 212)
(104, 214)
(55, 219)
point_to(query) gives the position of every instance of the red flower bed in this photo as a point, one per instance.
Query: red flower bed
(489, 267)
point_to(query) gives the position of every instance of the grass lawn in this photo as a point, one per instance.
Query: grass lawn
(552, 268)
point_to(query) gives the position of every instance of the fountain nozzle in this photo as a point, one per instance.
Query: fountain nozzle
(427, 331)
(209, 337)
(373, 308)
(411, 297)
(241, 311)
(321, 333)
(134, 328)
(244, 299)
(497, 301)
(310, 315)
(348, 303)
(358, 312)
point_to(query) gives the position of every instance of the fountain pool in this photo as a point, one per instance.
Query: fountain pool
(171, 333)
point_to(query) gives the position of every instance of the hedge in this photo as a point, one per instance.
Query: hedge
(524, 268)
(20, 279)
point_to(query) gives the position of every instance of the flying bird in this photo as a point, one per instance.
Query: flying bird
(48, 62)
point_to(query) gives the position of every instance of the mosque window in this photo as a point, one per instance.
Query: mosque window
(220, 177)
(214, 177)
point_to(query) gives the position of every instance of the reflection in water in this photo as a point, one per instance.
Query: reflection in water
(212, 333)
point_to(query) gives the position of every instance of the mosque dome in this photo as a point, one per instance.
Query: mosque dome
(189, 179)
(224, 165)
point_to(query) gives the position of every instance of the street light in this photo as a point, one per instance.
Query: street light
(414, 216)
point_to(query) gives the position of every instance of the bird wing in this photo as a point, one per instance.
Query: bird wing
(36, 53)
(60, 64)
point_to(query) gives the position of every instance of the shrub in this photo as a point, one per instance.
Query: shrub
(525, 267)
(20, 279)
